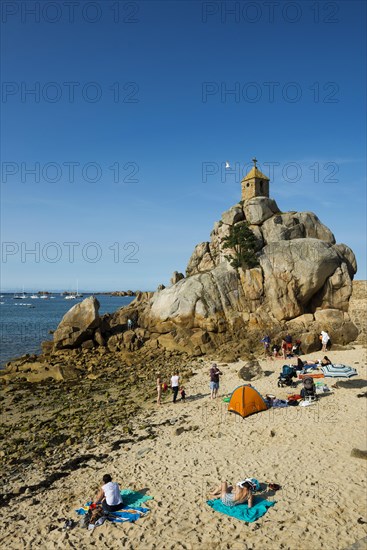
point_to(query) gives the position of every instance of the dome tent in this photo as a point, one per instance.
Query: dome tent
(246, 400)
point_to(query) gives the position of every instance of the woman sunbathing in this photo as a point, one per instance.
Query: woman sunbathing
(305, 364)
(242, 492)
(326, 361)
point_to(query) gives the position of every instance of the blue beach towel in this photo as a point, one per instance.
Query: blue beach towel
(126, 515)
(132, 502)
(242, 511)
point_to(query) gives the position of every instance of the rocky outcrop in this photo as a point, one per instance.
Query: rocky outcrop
(301, 272)
(78, 324)
(176, 276)
(303, 283)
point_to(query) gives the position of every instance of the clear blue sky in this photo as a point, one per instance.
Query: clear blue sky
(151, 95)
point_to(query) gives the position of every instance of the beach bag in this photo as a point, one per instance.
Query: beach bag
(96, 514)
(255, 484)
(164, 386)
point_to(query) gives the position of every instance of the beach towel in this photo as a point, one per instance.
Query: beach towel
(242, 511)
(132, 501)
(134, 498)
(129, 513)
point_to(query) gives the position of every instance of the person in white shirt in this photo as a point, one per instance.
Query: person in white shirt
(175, 384)
(324, 340)
(109, 495)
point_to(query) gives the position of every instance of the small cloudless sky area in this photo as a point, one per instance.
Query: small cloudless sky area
(164, 94)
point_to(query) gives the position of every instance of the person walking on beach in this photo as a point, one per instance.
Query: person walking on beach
(175, 384)
(109, 495)
(159, 388)
(214, 380)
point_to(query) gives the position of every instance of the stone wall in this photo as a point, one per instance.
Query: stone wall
(358, 309)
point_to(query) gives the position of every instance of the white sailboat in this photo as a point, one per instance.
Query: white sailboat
(74, 296)
(22, 296)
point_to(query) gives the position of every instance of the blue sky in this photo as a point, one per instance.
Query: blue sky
(164, 96)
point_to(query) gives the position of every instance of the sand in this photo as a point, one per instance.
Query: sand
(307, 451)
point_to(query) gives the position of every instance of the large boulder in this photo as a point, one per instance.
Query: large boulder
(78, 324)
(295, 225)
(293, 272)
(251, 371)
(347, 255)
(233, 215)
(259, 209)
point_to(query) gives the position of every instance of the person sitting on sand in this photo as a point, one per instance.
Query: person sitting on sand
(109, 495)
(241, 493)
(325, 361)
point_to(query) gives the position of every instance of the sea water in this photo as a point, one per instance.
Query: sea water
(24, 324)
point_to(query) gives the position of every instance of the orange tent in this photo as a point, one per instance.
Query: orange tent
(245, 400)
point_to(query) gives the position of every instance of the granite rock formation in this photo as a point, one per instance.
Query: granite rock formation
(302, 284)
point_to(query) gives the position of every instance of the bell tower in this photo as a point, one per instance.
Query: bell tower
(255, 183)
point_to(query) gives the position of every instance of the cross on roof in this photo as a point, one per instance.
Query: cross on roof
(254, 160)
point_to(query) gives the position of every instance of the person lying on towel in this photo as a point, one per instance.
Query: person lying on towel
(242, 492)
(109, 495)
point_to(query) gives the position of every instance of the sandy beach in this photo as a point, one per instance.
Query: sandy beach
(177, 452)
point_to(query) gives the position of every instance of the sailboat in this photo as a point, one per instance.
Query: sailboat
(78, 295)
(22, 296)
(73, 296)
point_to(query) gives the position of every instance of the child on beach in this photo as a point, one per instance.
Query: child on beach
(183, 394)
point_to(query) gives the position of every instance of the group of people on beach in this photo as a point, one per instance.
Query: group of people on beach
(162, 386)
(109, 499)
(288, 348)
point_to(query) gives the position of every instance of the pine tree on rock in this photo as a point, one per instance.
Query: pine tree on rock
(242, 242)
